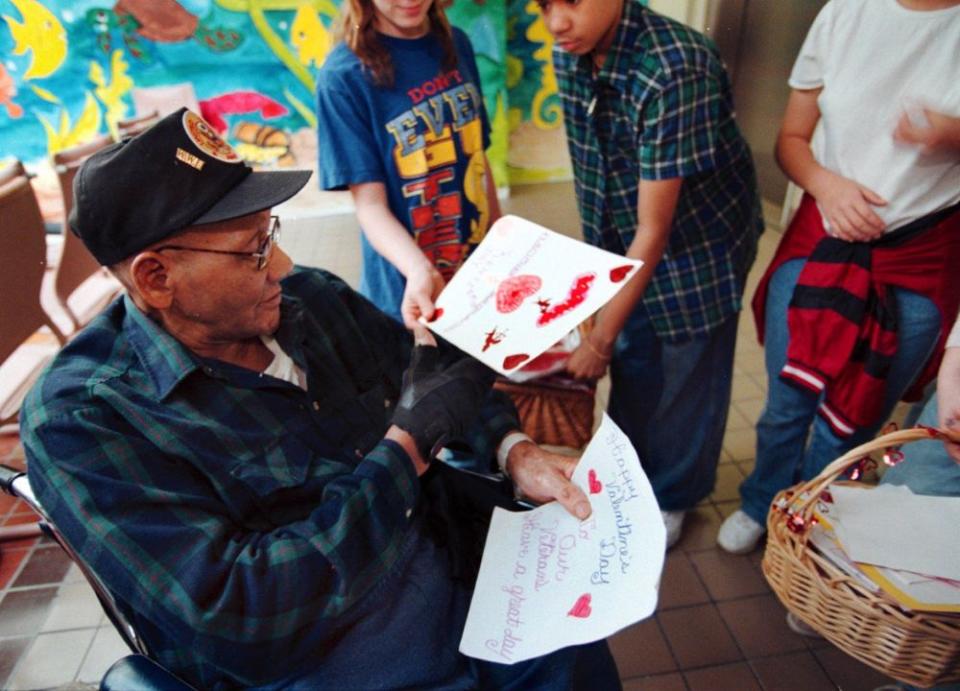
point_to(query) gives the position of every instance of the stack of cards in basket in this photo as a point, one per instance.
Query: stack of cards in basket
(522, 290)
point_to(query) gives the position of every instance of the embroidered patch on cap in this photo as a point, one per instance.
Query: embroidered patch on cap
(207, 139)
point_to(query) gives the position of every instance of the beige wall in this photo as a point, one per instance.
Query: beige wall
(691, 12)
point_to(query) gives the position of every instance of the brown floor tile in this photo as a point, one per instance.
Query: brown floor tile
(662, 682)
(751, 408)
(793, 672)
(737, 677)
(700, 529)
(10, 560)
(11, 649)
(641, 650)
(728, 576)
(759, 626)
(22, 612)
(741, 444)
(746, 467)
(680, 586)
(698, 637)
(847, 673)
(46, 565)
(725, 508)
(6, 504)
(727, 487)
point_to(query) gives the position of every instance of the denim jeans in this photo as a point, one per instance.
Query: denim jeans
(793, 442)
(926, 467)
(671, 400)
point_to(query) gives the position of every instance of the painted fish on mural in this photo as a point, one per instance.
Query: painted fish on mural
(8, 89)
(40, 32)
(309, 36)
(239, 103)
(262, 144)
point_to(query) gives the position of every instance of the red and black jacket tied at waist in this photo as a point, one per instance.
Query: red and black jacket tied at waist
(841, 318)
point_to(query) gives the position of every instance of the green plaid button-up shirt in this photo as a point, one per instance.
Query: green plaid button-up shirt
(240, 521)
(661, 108)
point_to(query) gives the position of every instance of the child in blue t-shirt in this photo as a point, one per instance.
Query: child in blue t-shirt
(402, 124)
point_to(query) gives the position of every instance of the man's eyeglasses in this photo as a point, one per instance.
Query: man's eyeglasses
(262, 254)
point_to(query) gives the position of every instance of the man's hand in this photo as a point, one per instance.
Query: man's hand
(948, 398)
(542, 476)
(423, 287)
(438, 402)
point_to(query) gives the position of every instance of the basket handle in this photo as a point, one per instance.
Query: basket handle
(814, 487)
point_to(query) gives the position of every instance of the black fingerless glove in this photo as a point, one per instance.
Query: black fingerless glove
(439, 402)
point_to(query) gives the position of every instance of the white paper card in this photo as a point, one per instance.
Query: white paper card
(893, 527)
(522, 290)
(548, 581)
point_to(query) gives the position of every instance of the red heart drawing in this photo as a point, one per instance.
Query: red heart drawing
(620, 273)
(512, 361)
(581, 608)
(437, 313)
(595, 484)
(514, 290)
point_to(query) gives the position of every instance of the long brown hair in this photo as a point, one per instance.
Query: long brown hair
(358, 30)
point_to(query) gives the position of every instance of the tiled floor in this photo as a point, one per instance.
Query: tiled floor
(718, 626)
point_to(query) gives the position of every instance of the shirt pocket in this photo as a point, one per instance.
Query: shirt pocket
(275, 473)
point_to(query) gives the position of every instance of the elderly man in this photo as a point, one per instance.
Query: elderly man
(235, 447)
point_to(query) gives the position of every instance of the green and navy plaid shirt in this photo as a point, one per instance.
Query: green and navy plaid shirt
(661, 108)
(245, 525)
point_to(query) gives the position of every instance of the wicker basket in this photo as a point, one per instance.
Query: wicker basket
(921, 648)
(555, 410)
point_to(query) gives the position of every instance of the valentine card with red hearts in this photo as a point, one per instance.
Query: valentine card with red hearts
(522, 290)
(548, 580)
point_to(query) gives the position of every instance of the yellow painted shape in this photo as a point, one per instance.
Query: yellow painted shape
(40, 32)
(111, 93)
(66, 135)
(475, 189)
(309, 36)
(538, 33)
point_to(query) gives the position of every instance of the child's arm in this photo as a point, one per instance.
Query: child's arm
(396, 245)
(846, 204)
(493, 201)
(656, 204)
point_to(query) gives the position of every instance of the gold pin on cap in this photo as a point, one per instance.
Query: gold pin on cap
(189, 159)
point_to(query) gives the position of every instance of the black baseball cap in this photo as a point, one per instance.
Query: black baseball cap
(176, 174)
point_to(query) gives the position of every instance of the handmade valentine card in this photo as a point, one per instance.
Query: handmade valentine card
(522, 290)
(548, 580)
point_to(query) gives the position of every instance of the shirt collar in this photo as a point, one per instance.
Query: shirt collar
(618, 65)
(167, 362)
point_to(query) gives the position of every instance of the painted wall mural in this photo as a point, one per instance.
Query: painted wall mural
(73, 69)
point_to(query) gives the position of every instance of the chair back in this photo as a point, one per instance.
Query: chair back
(76, 264)
(10, 170)
(23, 250)
(134, 126)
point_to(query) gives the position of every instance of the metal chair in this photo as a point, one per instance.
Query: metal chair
(23, 352)
(83, 288)
(135, 671)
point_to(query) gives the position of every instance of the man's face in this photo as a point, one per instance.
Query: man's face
(224, 298)
(582, 26)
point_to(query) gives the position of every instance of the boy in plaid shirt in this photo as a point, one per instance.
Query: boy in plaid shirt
(662, 174)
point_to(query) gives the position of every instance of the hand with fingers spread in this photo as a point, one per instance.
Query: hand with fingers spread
(543, 476)
(848, 208)
(439, 401)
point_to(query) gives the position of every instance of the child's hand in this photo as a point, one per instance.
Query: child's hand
(948, 398)
(588, 361)
(423, 287)
(930, 131)
(848, 208)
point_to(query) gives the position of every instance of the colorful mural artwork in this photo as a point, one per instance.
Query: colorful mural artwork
(73, 69)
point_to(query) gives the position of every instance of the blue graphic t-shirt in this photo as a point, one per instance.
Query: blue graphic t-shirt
(424, 138)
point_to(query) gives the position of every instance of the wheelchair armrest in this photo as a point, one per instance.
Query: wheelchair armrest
(7, 477)
(140, 673)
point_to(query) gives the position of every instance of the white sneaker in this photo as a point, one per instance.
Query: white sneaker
(673, 520)
(799, 626)
(739, 533)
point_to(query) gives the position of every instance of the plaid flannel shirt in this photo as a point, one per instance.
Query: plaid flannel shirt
(236, 517)
(661, 108)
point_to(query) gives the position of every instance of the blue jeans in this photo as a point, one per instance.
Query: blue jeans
(926, 467)
(671, 400)
(789, 419)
